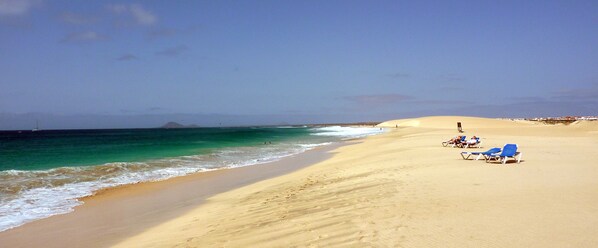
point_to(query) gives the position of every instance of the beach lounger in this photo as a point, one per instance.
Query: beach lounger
(452, 143)
(466, 155)
(470, 143)
(508, 151)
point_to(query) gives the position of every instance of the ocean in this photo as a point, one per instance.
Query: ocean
(43, 173)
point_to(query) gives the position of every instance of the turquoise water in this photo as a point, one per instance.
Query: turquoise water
(51, 149)
(44, 173)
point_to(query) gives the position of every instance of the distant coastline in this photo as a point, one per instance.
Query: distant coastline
(173, 124)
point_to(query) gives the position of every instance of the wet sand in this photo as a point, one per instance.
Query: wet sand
(114, 214)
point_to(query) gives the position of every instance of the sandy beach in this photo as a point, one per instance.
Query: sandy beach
(114, 214)
(398, 189)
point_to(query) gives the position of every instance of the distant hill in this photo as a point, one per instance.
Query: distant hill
(173, 124)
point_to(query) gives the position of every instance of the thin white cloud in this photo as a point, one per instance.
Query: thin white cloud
(117, 8)
(138, 13)
(451, 88)
(399, 75)
(76, 19)
(127, 57)
(84, 37)
(378, 99)
(162, 32)
(143, 16)
(442, 102)
(16, 7)
(590, 92)
(453, 77)
(173, 51)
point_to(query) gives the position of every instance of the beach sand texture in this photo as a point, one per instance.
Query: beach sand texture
(403, 189)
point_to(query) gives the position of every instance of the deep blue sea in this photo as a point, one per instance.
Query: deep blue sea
(43, 173)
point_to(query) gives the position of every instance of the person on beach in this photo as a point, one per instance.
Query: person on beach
(472, 142)
(455, 140)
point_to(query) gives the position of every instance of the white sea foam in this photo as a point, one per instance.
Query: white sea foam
(347, 132)
(312, 146)
(43, 202)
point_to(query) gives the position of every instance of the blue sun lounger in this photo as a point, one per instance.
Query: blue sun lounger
(466, 155)
(509, 151)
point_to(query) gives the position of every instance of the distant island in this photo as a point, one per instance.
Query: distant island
(173, 124)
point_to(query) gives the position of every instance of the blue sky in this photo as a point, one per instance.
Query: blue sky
(349, 60)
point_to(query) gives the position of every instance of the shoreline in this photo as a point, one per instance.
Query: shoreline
(398, 189)
(112, 214)
(404, 189)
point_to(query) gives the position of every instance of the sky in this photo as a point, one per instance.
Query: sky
(75, 64)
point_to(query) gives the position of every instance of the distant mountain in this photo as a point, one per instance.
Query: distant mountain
(173, 124)
(26, 121)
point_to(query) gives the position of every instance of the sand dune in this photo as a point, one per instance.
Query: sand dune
(450, 122)
(403, 189)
